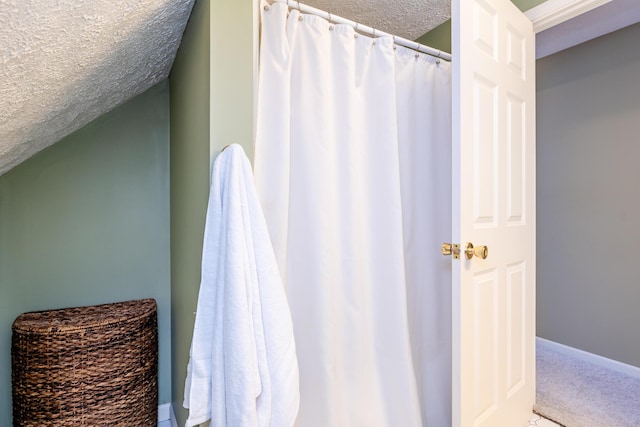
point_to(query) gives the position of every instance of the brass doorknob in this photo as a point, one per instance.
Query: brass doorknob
(480, 251)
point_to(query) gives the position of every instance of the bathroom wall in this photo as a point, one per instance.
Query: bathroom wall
(438, 38)
(189, 186)
(588, 122)
(212, 90)
(86, 221)
(525, 5)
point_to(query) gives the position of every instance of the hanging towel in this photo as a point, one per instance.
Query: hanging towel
(243, 370)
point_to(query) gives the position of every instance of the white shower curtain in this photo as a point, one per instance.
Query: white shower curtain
(352, 166)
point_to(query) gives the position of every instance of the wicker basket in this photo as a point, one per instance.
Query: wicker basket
(86, 366)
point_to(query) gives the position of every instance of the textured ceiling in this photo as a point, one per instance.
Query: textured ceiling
(405, 18)
(63, 63)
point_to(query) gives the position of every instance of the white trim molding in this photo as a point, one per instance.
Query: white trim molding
(165, 413)
(614, 365)
(554, 12)
(610, 17)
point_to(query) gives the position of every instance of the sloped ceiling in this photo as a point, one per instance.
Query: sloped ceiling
(63, 63)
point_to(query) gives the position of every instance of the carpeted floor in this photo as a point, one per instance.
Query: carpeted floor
(576, 393)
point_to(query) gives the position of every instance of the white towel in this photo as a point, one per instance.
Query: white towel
(243, 370)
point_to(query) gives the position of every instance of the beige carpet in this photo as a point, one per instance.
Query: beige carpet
(576, 393)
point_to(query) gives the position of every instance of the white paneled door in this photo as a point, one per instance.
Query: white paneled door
(494, 206)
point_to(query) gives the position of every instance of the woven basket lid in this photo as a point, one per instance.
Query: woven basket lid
(68, 320)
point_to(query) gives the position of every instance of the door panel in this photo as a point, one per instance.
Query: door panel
(494, 205)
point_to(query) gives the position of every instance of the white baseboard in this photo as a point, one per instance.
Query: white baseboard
(165, 413)
(604, 362)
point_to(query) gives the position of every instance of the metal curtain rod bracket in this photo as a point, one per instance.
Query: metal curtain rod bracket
(303, 8)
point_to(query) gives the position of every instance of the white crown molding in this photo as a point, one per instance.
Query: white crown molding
(610, 17)
(554, 12)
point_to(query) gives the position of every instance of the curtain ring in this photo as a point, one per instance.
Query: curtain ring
(329, 13)
(300, 18)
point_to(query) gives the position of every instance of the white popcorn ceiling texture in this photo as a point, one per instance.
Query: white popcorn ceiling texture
(405, 18)
(64, 63)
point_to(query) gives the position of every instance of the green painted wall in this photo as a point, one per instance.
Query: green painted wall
(189, 186)
(440, 37)
(86, 221)
(232, 104)
(525, 5)
(211, 106)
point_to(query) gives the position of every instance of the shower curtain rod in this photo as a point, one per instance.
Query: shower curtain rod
(365, 29)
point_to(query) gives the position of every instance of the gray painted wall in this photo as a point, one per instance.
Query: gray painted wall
(86, 222)
(588, 127)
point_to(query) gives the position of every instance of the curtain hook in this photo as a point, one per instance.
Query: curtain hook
(300, 18)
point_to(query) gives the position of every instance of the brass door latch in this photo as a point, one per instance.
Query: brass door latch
(453, 249)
